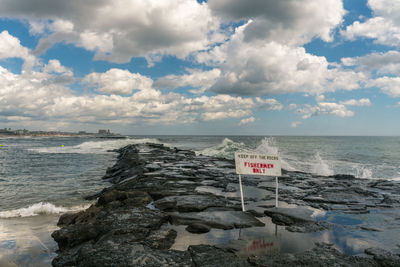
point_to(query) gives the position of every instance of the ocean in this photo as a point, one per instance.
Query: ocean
(42, 177)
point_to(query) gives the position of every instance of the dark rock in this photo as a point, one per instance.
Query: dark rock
(160, 239)
(154, 185)
(75, 234)
(298, 219)
(322, 255)
(198, 228)
(383, 257)
(119, 253)
(188, 203)
(137, 198)
(204, 255)
(217, 219)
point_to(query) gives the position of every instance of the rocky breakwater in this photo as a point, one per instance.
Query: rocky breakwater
(161, 195)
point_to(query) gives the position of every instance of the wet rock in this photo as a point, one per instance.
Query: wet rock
(343, 196)
(210, 256)
(73, 235)
(198, 228)
(383, 257)
(160, 239)
(138, 198)
(187, 203)
(217, 219)
(119, 253)
(154, 185)
(297, 219)
(322, 255)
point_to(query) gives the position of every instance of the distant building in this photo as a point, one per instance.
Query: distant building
(5, 131)
(104, 131)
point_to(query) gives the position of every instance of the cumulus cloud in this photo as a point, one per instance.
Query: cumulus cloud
(10, 47)
(196, 78)
(380, 63)
(118, 81)
(355, 102)
(247, 121)
(264, 68)
(325, 108)
(388, 85)
(35, 97)
(381, 69)
(291, 22)
(119, 30)
(383, 27)
(54, 66)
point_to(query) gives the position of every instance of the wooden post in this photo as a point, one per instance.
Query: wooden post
(241, 192)
(276, 192)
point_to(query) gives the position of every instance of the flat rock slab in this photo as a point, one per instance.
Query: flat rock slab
(210, 256)
(298, 219)
(217, 219)
(298, 214)
(189, 203)
(322, 255)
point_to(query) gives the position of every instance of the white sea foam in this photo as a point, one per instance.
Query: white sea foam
(269, 146)
(94, 147)
(40, 208)
(363, 172)
(226, 149)
(321, 166)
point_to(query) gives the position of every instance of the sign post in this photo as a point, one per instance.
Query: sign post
(257, 164)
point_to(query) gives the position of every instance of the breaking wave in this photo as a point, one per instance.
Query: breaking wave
(321, 166)
(94, 147)
(226, 149)
(41, 208)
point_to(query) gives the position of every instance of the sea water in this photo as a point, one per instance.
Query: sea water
(41, 178)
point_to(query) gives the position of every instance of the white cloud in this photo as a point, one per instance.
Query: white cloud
(36, 98)
(325, 108)
(219, 115)
(247, 121)
(54, 66)
(121, 29)
(264, 68)
(355, 102)
(384, 27)
(379, 63)
(293, 22)
(117, 81)
(11, 47)
(388, 85)
(196, 78)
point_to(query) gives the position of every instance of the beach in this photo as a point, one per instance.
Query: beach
(189, 201)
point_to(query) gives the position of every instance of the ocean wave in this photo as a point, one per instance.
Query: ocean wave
(226, 149)
(41, 208)
(321, 166)
(93, 147)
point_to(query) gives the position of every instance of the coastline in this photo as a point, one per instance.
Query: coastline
(160, 195)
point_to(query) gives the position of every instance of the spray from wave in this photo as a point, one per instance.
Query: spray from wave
(40, 209)
(226, 149)
(321, 167)
(94, 147)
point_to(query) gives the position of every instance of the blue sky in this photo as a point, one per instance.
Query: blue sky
(257, 67)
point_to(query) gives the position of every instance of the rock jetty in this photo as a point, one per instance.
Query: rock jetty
(160, 194)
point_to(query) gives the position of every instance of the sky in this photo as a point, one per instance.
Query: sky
(216, 67)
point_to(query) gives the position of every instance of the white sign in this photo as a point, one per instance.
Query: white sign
(258, 164)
